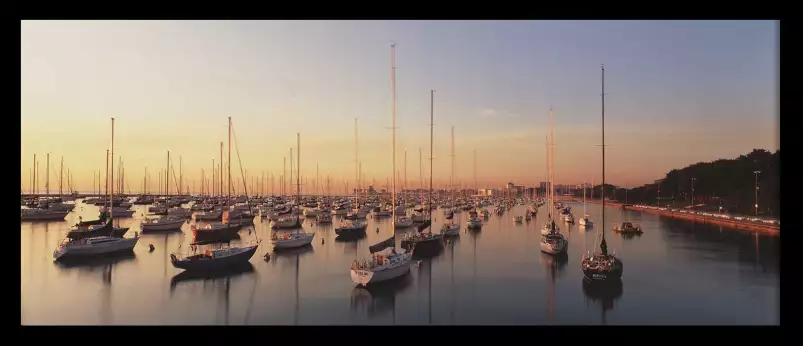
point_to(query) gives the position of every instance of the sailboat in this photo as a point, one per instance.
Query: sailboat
(425, 241)
(553, 242)
(296, 238)
(383, 267)
(223, 230)
(602, 266)
(214, 259)
(100, 245)
(585, 220)
(355, 227)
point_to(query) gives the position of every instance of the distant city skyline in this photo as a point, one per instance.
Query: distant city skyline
(678, 92)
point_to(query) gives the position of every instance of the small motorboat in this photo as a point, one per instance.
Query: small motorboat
(517, 219)
(627, 227)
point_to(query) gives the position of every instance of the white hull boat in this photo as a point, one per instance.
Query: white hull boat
(585, 221)
(292, 240)
(450, 230)
(474, 222)
(554, 244)
(387, 268)
(95, 246)
(166, 224)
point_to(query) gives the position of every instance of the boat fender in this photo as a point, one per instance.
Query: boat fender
(322, 240)
(151, 247)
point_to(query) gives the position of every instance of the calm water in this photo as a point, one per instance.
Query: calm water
(676, 273)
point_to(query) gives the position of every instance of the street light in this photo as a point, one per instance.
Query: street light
(692, 192)
(756, 173)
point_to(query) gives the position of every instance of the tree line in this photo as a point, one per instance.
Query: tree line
(729, 183)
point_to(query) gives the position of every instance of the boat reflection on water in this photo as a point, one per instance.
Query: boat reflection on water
(106, 264)
(628, 236)
(555, 265)
(211, 275)
(293, 256)
(604, 292)
(292, 253)
(90, 263)
(380, 298)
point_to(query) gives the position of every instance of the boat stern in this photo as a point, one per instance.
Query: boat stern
(361, 277)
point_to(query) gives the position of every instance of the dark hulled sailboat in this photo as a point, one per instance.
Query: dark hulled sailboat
(602, 266)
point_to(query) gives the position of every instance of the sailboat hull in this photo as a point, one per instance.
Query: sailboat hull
(603, 275)
(301, 240)
(162, 226)
(234, 260)
(452, 230)
(85, 250)
(366, 277)
(557, 248)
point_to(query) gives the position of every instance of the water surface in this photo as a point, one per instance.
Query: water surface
(678, 272)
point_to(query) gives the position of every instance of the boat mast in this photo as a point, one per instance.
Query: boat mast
(393, 129)
(167, 176)
(111, 191)
(451, 177)
(431, 156)
(298, 169)
(552, 156)
(475, 171)
(220, 172)
(603, 246)
(228, 163)
(180, 176)
(106, 192)
(61, 174)
(47, 176)
(356, 164)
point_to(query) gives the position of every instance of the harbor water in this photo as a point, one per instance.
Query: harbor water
(677, 272)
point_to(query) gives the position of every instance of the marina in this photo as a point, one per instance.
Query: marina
(269, 210)
(494, 276)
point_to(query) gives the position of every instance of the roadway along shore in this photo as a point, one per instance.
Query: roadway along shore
(730, 223)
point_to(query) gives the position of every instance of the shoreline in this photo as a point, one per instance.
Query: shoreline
(729, 223)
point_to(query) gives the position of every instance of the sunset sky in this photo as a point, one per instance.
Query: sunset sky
(678, 92)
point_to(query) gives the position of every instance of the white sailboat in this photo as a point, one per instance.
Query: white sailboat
(296, 238)
(585, 220)
(553, 242)
(383, 266)
(97, 245)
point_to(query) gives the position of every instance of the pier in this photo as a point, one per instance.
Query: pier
(757, 226)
